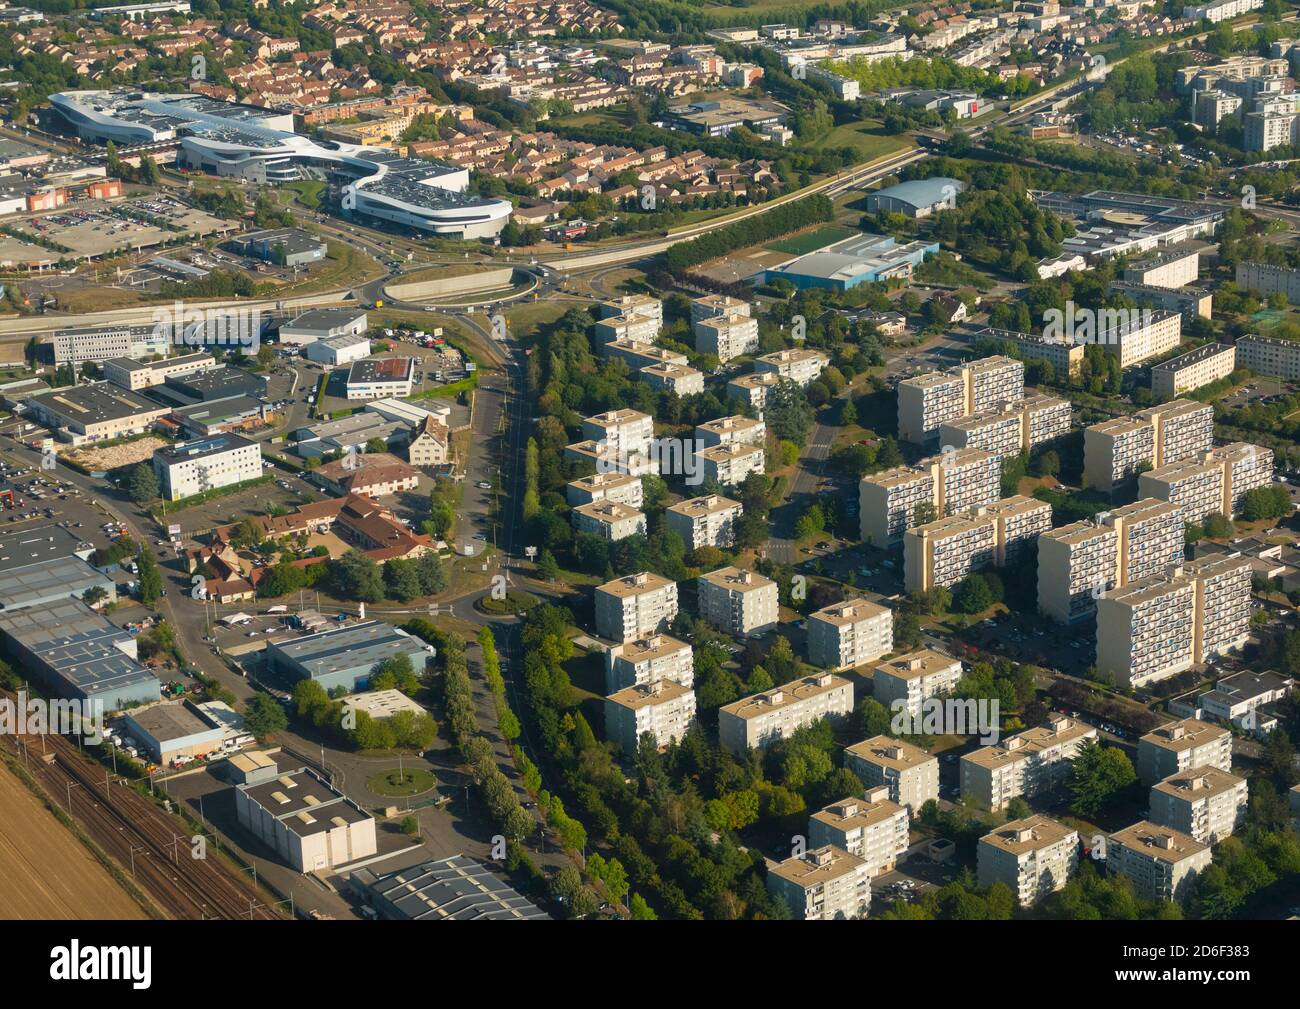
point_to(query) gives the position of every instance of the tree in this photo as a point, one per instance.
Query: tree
(973, 595)
(357, 576)
(263, 715)
(431, 574)
(142, 485)
(787, 412)
(151, 582)
(1097, 775)
(548, 567)
(94, 595)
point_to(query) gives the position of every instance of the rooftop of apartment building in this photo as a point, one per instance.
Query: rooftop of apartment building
(816, 867)
(736, 579)
(1202, 353)
(605, 481)
(617, 417)
(850, 611)
(1017, 504)
(856, 813)
(1077, 533)
(648, 649)
(1184, 735)
(631, 585)
(1059, 730)
(709, 504)
(1144, 590)
(896, 754)
(1174, 409)
(1198, 783)
(1018, 837)
(735, 423)
(1217, 565)
(608, 511)
(1155, 841)
(645, 695)
(794, 692)
(922, 662)
(1144, 509)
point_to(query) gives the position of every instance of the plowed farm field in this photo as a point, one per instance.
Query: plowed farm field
(47, 872)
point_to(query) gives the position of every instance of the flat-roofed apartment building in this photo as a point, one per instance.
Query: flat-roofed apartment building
(712, 305)
(665, 709)
(628, 327)
(800, 365)
(708, 521)
(1269, 355)
(306, 821)
(1268, 279)
(824, 884)
(641, 304)
(1222, 604)
(135, 375)
(731, 430)
(623, 432)
(1033, 857)
(945, 551)
(1175, 267)
(1196, 487)
(1011, 428)
(849, 633)
(873, 827)
(729, 464)
(1030, 763)
(1151, 537)
(1114, 450)
(1163, 863)
(752, 389)
(620, 488)
(905, 682)
(609, 521)
(1065, 356)
(1188, 372)
(910, 774)
(635, 606)
(737, 601)
(1245, 467)
(894, 500)
(642, 355)
(1154, 333)
(759, 720)
(926, 401)
(605, 460)
(1205, 803)
(675, 378)
(647, 660)
(1177, 747)
(726, 336)
(1192, 302)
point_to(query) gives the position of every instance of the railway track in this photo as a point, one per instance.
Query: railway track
(152, 845)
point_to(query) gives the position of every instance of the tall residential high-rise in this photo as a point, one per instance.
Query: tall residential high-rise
(894, 500)
(945, 551)
(1033, 857)
(1115, 451)
(926, 401)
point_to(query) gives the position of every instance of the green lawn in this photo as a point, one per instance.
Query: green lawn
(867, 138)
(810, 241)
(398, 785)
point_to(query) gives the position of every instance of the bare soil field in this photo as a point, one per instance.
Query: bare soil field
(99, 460)
(48, 873)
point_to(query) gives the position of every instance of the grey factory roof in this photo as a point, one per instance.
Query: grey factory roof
(165, 722)
(449, 889)
(93, 403)
(77, 644)
(48, 580)
(325, 319)
(304, 803)
(20, 547)
(352, 647)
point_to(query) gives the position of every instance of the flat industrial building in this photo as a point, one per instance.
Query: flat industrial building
(344, 656)
(76, 653)
(49, 579)
(449, 889)
(306, 821)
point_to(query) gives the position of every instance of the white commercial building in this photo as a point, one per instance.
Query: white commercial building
(800, 366)
(1177, 747)
(310, 825)
(1163, 863)
(194, 467)
(619, 488)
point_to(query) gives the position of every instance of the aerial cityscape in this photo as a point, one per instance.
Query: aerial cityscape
(665, 460)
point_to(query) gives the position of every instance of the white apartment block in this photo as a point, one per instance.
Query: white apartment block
(708, 521)
(758, 721)
(1151, 537)
(1114, 450)
(619, 488)
(1146, 630)
(1245, 467)
(950, 483)
(636, 606)
(800, 366)
(1030, 763)
(1197, 488)
(926, 402)
(945, 551)
(752, 389)
(850, 633)
(623, 432)
(1076, 563)
(910, 774)
(712, 305)
(675, 378)
(1189, 372)
(1221, 10)
(726, 336)
(873, 827)
(905, 682)
(825, 884)
(1033, 857)
(1268, 279)
(1265, 130)
(1205, 803)
(1177, 747)
(189, 468)
(664, 709)
(633, 328)
(1156, 333)
(1270, 355)
(643, 355)
(738, 601)
(1163, 863)
(729, 464)
(649, 660)
(1222, 604)
(606, 460)
(641, 304)
(1169, 268)
(609, 521)
(1010, 429)
(731, 430)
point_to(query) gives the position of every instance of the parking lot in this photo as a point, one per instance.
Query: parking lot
(96, 227)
